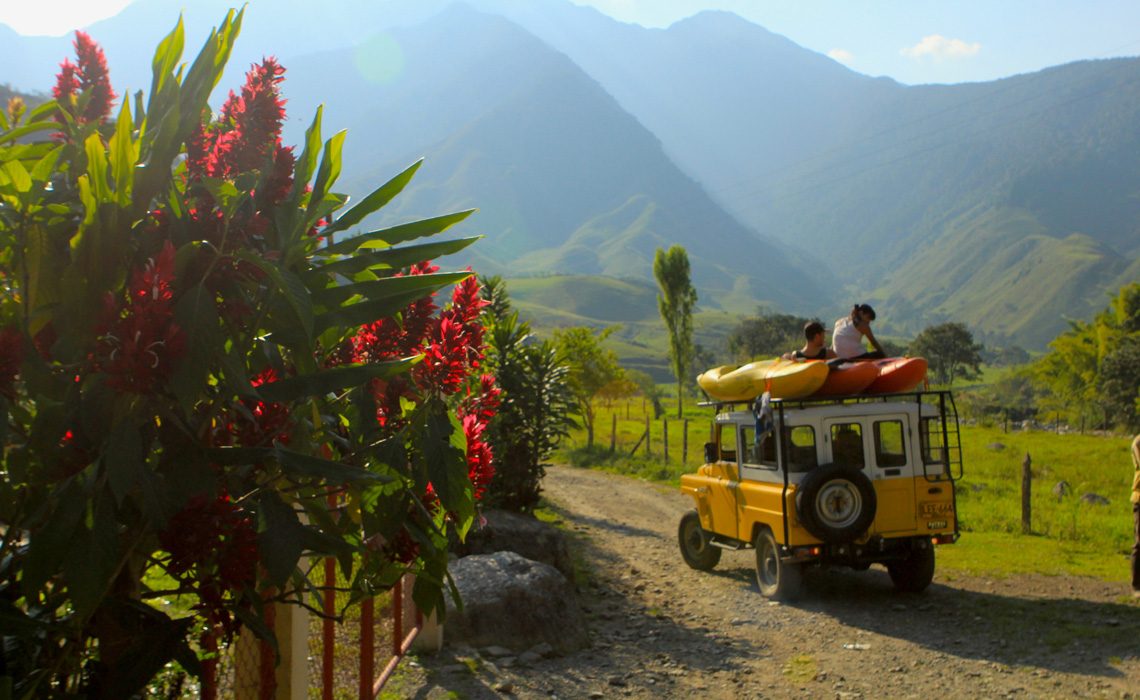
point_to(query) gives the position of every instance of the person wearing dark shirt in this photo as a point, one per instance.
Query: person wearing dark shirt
(814, 348)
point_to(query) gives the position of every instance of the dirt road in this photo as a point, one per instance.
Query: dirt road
(661, 629)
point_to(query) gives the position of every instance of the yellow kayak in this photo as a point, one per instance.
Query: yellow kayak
(783, 379)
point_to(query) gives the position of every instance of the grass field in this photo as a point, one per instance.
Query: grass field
(1067, 535)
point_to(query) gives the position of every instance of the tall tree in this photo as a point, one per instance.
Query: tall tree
(592, 368)
(951, 351)
(676, 302)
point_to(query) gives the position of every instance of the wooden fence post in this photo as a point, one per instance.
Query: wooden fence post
(648, 451)
(1026, 484)
(685, 442)
(613, 433)
(665, 440)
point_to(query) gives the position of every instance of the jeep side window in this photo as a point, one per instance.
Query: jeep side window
(801, 448)
(762, 455)
(932, 447)
(726, 438)
(889, 448)
(847, 444)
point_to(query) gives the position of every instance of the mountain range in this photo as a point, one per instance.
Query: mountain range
(793, 182)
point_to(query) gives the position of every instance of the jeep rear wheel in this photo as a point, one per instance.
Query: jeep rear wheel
(914, 573)
(836, 503)
(696, 549)
(778, 580)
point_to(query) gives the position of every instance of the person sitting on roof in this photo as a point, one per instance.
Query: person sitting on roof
(814, 349)
(847, 338)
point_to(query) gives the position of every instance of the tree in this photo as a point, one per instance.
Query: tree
(191, 369)
(536, 409)
(592, 367)
(675, 303)
(766, 334)
(950, 350)
(1119, 383)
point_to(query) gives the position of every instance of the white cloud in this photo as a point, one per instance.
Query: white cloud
(842, 55)
(940, 48)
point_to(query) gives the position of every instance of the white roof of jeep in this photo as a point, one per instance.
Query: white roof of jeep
(795, 415)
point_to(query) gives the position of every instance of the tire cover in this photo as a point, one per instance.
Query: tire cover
(853, 489)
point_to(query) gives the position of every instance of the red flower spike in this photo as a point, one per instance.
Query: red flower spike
(93, 79)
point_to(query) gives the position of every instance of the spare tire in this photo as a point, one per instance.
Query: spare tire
(836, 502)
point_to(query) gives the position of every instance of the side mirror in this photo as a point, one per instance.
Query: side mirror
(710, 452)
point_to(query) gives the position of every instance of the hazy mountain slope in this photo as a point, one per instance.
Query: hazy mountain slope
(564, 179)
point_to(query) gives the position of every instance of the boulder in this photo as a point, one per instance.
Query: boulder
(511, 601)
(503, 531)
(1094, 499)
(1062, 489)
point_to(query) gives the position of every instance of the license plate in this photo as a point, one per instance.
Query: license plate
(937, 508)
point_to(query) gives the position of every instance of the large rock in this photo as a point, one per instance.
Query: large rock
(522, 534)
(513, 602)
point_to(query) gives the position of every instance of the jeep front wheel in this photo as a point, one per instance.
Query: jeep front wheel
(914, 573)
(696, 549)
(778, 580)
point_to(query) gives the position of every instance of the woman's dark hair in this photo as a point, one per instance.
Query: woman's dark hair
(865, 310)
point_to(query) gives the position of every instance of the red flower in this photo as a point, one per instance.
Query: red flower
(262, 423)
(11, 356)
(88, 78)
(141, 342)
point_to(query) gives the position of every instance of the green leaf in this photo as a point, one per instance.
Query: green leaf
(374, 201)
(445, 451)
(327, 173)
(22, 131)
(279, 537)
(166, 57)
(97, 168)
(333, 380)
(44, 168)
(124, 156)
(360, 313)
(375, 290)
(93, 559)
(398, 234)
(154, 640)
(307, 161)
(395, 258)
(123, 459)
(197, 316)
(18, 175)
(303, 466)
(291, 287)
(50, 542)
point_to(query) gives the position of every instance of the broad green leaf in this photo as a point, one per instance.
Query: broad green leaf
(166, 57)
(22, 131)
(445, 451)
(124, 156)
(123, 459)
(327, 173)
(18, 175)
(45, 166)
(303, 466)
(291, 287)
(151, 646)
(395, 258)
(279, 537)
(307, 162)
(334, 380)
(374, 201)
(388, 287)
(398, 234)
(197, 316)
(362, 312)
(50, 542)
(97, 168)
(94, 557)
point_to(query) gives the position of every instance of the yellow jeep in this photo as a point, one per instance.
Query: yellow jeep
(828, 482)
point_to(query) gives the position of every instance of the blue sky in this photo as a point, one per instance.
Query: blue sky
(912, 41)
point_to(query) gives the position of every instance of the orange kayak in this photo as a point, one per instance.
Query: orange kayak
(848, 378)
(897, 374)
